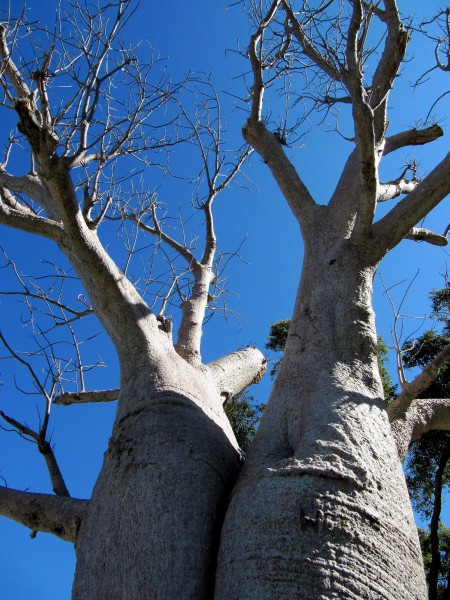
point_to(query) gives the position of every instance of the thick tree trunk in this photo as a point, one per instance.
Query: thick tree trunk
(321, 508)
(153, 523)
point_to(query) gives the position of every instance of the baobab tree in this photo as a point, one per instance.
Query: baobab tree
(79, 131)
(320, 508)
(312, 515)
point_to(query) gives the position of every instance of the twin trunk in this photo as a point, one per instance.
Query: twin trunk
(321, 508)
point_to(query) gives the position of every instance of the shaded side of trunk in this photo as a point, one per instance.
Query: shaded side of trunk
(321, 508)
(154, 519)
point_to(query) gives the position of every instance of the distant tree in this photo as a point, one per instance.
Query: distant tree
(428, 462)
(244, 415)
(427, 476)
(443, 588)
(276, 341)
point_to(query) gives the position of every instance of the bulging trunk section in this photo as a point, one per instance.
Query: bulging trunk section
(321, 508)
(153, 523)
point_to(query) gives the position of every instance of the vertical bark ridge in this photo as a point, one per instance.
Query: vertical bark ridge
(321, 508)
(161, 496)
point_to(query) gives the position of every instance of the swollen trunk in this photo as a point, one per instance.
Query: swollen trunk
(321, 508)
(154, 518)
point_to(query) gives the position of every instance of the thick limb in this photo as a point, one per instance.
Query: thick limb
(392, 228)
(234, 372)
(411, 390)
(43, 512)
(422, 416)
(69, 398)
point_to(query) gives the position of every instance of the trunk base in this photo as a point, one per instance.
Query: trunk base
(154, 519)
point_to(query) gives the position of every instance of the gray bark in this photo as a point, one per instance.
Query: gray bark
(421, 416)
(161, 495)
(158, 502)
(151, 528)
(321, 508)
(58, 515)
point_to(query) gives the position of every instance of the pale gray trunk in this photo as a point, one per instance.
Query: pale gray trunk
(321, 508)
(153, 523)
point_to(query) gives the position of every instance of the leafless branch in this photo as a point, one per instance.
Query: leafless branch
(69, 398)
(42, 512)
(419, 234)
(411, 390)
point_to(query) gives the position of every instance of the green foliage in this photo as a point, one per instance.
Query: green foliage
(244, 416)
(430, 453)
(278, 335)
(444, 549)
(243, 413)
(424, 454)
(276, 341)
(424, 349)
(440, 303)
(421, 465)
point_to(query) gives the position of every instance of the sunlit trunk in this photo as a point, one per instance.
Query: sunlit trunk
(321, 508)
(153, 524)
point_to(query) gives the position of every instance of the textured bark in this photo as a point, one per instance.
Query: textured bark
(152, 526)
(321, 508)
(161, 495)
(422, 416)
(42, 512)
(411, 390)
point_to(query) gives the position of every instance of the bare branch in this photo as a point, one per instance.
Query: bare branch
(39, 437)
(254, 52)
(56, 477)
(411, 390)
(419, 234)
(392, 56)
(29, 184)
(20, 219)
(393, 189)
(412, 137)
(159, 233)
(69, 398)
(234, 372)
(422, 416)
(10, 69)
(42, 512)
(308, 47)
(270, 149)
(392, 228)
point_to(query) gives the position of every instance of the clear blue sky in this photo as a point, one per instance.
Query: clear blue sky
(197, 35)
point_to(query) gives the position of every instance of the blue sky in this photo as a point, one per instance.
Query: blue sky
(200, 36)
